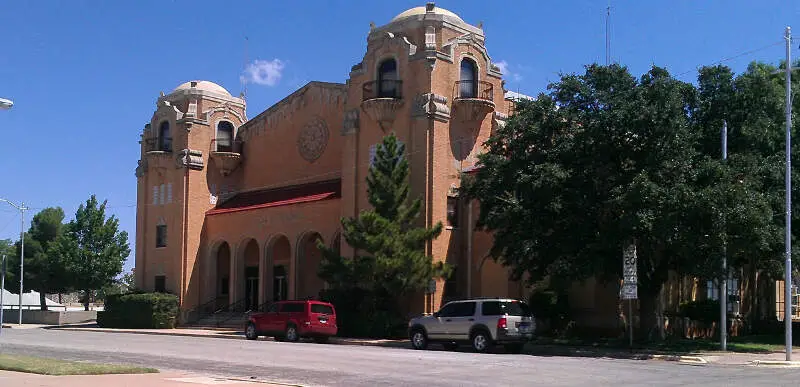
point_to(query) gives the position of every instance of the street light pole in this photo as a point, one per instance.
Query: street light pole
(2, 290)
(787, 286)
(21, 209)
(723, 285)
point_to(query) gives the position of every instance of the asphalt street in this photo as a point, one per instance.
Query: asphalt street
(345, 365)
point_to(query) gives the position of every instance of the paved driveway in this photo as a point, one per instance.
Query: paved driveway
(341, 365)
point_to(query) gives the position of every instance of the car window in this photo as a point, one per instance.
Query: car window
(511, 308)
(322, 309)
(273, 308)
(447, 310)
(293, 308)
(464, 309)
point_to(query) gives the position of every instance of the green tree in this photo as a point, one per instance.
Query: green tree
(390, 262)
(93, 248)
(601, 162)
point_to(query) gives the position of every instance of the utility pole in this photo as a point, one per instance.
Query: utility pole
(787, 286)
(2, 289)
(21, 209)
(723, 284)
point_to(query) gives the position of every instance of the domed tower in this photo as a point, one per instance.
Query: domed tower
(427, 77)
(191, 139)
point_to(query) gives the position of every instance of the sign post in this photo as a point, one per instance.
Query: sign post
(629, 285)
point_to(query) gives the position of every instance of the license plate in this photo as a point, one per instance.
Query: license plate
(524, 327)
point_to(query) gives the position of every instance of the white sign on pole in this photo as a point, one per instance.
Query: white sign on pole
(629, 274)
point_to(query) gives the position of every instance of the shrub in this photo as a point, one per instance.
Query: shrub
(551, 307)
(139, 310)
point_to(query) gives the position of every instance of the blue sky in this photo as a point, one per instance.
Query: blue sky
(84, 75)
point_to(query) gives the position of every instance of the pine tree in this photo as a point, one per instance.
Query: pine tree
(390, 261)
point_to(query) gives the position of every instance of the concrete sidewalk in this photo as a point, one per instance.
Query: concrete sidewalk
(172, 379)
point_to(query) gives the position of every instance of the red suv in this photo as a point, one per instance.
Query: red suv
(291, 320)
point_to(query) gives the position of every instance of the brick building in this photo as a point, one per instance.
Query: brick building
(229, 207)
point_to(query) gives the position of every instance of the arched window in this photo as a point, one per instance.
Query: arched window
(468, 80)
(388, 85)
(224, 136)
(164, 137)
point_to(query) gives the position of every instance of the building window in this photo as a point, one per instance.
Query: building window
(451, 286)
(162, 194)
(155, 195)
(388, 85)
(161, 235)
(224, 137)
(452, 211)
(712, 293)
(223, 286)
(160, 284)
(468, 80)
(164, 137)
(169, 192)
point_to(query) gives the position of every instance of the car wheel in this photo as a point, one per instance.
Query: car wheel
(514, 348)
(418, 339)
(250, 332)
(291, 333)
(450, 346)
(481, 342)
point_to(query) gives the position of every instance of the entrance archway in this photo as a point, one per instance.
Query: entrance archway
(280, 261)
(309, 257)
(249, 284)
(222, 277)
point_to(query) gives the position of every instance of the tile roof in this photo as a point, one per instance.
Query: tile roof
(283, 196)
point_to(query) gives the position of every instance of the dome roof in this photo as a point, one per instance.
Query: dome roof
(203, 85)
(421, 11)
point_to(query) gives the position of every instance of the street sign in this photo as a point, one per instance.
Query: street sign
(629, 275)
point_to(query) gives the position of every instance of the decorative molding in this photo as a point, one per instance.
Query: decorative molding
(351, 122)
(165, 109)
(141, 167)
(192, 159)
(192, 111)
(382, 110)
(226, 110)
(313, 139)
(357, 69)
(432, 106)
(500, 119)
(391, 41)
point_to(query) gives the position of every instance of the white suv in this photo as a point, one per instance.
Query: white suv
(480, 322)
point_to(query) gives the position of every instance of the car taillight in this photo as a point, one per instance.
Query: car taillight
(502, 323)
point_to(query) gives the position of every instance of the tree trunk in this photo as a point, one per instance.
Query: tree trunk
(86, 300)
(42, 301)
(647, 315)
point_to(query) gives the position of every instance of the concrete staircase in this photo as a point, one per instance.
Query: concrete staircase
(228, 320)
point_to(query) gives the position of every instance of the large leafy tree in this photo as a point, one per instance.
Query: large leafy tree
(390, 262)
(44, 272)
(600, 162)
(93, 248)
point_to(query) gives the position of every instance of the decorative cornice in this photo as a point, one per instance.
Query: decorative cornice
(431, 105)
(166, 110)
(391, 41)
(192, 159)
(351, 122)
(226, 110)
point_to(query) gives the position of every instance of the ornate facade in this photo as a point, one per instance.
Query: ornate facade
(229, 208)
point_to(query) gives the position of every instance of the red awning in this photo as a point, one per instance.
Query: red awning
(283, 196)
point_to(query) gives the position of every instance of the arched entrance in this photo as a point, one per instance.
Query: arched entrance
(280, 258)
(249, 285)
(308, 259)
(222, 277)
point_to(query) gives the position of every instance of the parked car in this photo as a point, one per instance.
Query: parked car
(480, 322)
(293, 320)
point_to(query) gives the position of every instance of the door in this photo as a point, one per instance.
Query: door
(251, 288)
(437, 329)
(268, 321)
(461, 320)
(280, 286)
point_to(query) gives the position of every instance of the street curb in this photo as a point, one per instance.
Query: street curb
(681, 359)
(775, 363)
(265, 382)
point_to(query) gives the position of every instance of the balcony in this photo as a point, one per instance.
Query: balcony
(227, 154)
(381, 100)
(473, 100)
(155, 144)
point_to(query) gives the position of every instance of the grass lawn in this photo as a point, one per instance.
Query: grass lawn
(37, 365)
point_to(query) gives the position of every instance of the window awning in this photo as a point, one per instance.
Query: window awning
(283, 196)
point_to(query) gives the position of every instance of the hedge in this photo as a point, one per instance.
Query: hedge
(139, 310)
